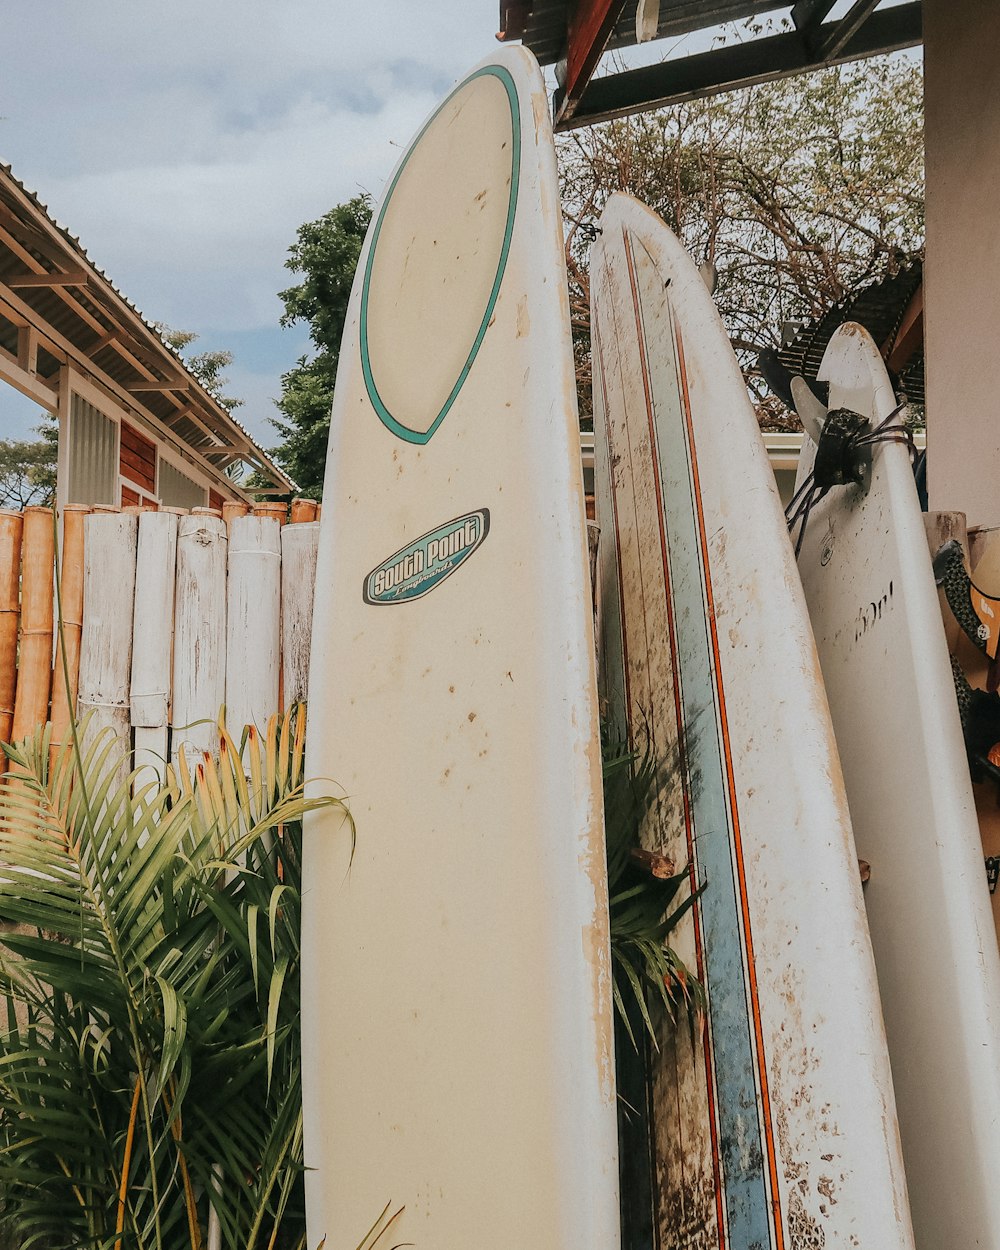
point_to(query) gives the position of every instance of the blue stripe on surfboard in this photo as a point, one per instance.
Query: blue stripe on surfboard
(741, 1144)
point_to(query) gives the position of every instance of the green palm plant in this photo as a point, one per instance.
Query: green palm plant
(149, 1068)
(649, 896)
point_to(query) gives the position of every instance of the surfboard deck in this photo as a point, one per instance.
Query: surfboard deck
(775, 1126)
(457, 1011)
(867, 577)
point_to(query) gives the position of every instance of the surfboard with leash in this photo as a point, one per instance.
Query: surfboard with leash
(775, 1125)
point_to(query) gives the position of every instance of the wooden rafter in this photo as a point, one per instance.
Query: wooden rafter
(44, 278)
(45, 258)
(738, 65)
(590, 25)
(833, 41)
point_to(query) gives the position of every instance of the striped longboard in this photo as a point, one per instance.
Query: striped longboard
(774, 1126)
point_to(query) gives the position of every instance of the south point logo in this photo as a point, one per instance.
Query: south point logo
(416, 569)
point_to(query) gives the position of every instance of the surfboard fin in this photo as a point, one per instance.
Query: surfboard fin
(979, 711)
(976, 612)
(811, 411)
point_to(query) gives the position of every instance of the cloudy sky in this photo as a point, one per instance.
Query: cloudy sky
(185, 143)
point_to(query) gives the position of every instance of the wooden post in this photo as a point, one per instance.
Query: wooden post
(303, 510)
(199, 672)
(253, 637)
(232, 508)
(106, 649)
(11, 527)
(277, 510)
(152, 642)
(34, 676)
(299, 544)
(71, 602)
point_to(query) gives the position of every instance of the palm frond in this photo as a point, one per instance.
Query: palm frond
(149, 946)
(644, 904)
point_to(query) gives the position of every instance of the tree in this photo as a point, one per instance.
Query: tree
(207, 367)
(326, 253)
(28, 469)
(793, 193)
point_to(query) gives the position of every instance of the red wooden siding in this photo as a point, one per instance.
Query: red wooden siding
(215, 499)
(138, 460)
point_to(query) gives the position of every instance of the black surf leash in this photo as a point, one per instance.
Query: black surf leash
(843, 456)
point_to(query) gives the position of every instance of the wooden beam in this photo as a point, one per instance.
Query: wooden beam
(513, 19)
(105, 341)
(36, 388)
(179, 384)
(830, 43)
(909, 338)
(27, 349)
(12, 307)
(76, 278)
(590, 27)
(740, 65)
(190, 413)
(807, 14)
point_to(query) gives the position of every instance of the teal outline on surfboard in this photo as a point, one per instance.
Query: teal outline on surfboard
(391, 422)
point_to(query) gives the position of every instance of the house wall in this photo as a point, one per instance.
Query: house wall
(104, 458)
(962, 270)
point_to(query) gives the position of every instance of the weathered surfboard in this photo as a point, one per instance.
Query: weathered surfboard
(868, 582)
(774, 1126)
(457, 1013)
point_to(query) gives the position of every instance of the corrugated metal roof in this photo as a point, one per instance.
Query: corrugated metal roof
(98, 306)
(542, 24)
(878, 307)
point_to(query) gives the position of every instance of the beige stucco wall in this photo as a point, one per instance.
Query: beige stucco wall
(962, 272)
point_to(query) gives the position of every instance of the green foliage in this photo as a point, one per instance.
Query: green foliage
(796, 192)
(207, 367)
(326, 253)
(28, 469)
(647, 902)
(149, 1069)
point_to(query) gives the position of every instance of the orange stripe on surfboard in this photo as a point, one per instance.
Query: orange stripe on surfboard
(731, 782)
(721, 1220)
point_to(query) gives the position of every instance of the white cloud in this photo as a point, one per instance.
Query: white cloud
(184, 144)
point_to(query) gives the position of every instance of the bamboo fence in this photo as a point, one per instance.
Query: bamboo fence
(156, 620)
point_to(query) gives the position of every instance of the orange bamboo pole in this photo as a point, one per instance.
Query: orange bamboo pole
(277, 510)
(71, 590)
(11, 526)
(34, 674)
(232, 508)
(304, 510)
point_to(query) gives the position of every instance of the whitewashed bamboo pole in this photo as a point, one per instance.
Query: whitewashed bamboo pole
(299, 544)
(199, 672)
(253, 642)
(106, 642)
(152, 642)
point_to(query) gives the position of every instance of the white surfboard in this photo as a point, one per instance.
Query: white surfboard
(775, 1126)
(867, 577)
(457, 1015)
